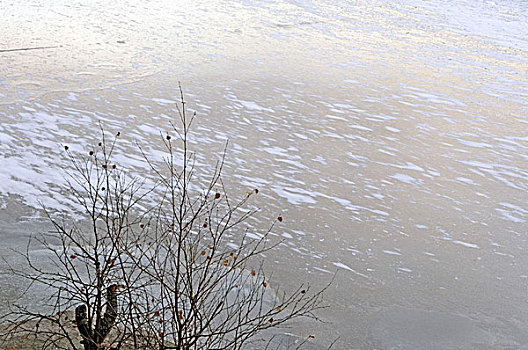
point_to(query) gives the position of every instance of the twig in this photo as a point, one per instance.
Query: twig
(30, 48)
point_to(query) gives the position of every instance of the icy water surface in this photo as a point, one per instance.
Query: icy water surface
(391, 135)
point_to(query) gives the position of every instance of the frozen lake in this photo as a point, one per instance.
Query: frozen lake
(391, 135)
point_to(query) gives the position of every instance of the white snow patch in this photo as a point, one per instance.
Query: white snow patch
(466, 244)
(346, 267)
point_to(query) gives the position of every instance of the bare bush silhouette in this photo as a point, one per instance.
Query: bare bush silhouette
(163, 264)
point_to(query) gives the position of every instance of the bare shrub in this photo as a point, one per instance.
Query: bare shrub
(167, 264)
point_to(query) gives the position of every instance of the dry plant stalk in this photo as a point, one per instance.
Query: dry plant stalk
(160, 276)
